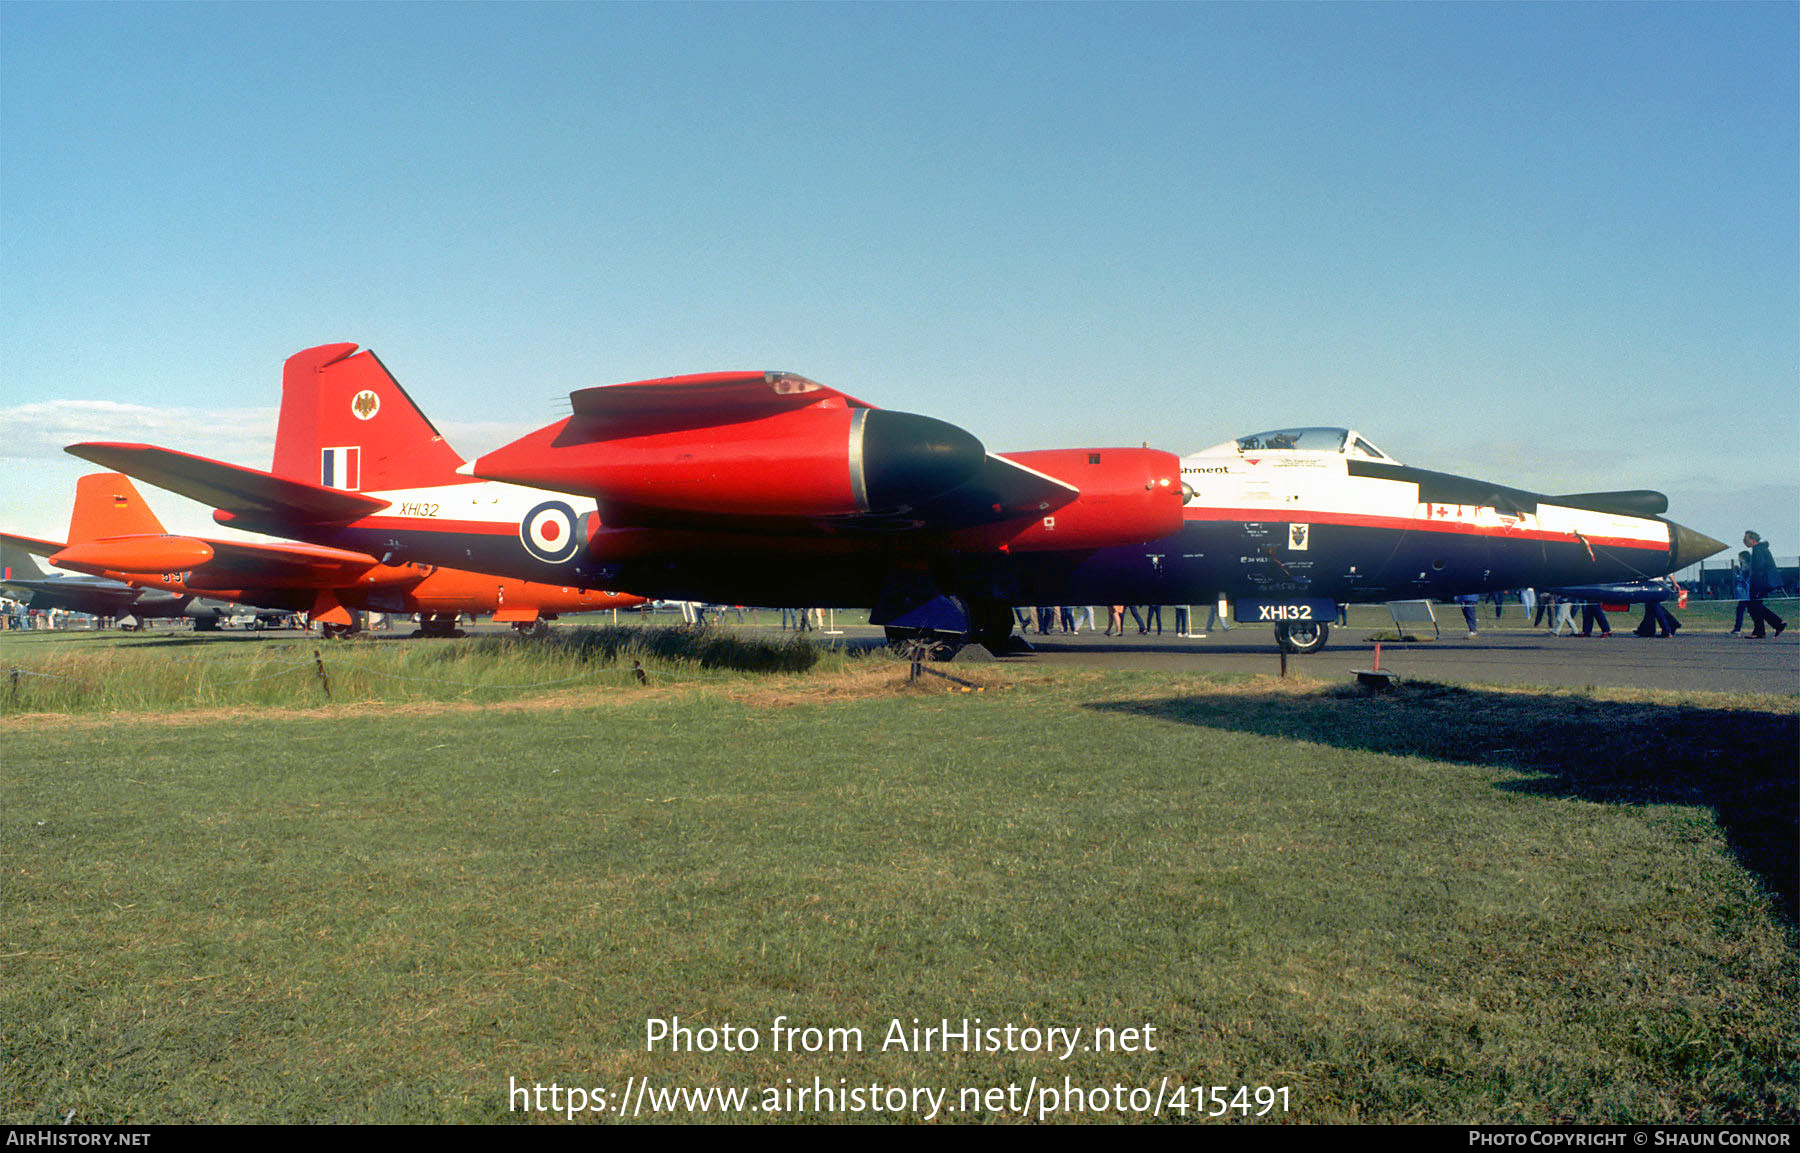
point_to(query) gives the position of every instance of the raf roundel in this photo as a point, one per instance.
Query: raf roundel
(548, 532)
(365, 404)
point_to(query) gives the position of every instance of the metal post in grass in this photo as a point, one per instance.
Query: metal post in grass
(1374, 677)
(919, 670)
(324, 680)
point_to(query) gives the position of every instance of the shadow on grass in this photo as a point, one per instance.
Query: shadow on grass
(1741, 763)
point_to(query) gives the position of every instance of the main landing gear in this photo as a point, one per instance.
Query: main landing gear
(439, 625)
(1302, 637)
(990, 626)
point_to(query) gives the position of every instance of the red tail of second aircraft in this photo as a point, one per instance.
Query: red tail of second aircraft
(107, 504)
(346, 423)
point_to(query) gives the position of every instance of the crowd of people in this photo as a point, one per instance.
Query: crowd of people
(14, 615)
(1071, 619)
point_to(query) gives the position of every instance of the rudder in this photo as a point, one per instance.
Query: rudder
(107, 504)
(346, 423)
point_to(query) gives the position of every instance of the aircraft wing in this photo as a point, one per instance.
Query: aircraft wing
(255, 556)
(242, 492)
(31, 544)
(98, 599)
(80, 594)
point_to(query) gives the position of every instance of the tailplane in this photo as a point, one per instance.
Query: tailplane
(107, 504)
(347, 424)
(16, 563)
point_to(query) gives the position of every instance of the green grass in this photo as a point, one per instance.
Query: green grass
(102, 672)
(1449, 905)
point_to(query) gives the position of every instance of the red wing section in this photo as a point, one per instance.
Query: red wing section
(242, 492)
(311, 557)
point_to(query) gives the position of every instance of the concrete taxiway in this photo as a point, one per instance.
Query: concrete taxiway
(1708, 662)
(1699, 659)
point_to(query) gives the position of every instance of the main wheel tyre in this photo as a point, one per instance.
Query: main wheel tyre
(992, 622)
(440, 624)
(1302, 637)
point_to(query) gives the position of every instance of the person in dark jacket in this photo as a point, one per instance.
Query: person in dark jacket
(1764, 579)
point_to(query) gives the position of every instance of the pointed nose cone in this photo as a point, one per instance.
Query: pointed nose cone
(1688, 547)
(908, 458)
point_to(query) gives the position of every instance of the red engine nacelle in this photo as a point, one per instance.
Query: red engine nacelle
(1128, 496)
(135, 554)
(826, 459)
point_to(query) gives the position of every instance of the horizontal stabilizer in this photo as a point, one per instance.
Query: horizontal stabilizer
(244, 492)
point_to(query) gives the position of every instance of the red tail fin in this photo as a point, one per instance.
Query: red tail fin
(346, 423)
(108, 504)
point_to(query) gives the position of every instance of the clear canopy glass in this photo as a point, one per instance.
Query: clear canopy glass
(1340, 441)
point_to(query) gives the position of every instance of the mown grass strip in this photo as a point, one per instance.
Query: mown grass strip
(99, 673)
(1451, 911)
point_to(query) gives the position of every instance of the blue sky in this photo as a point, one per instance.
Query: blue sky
(1552, 245)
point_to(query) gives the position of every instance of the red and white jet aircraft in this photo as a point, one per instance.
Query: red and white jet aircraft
(768, 488)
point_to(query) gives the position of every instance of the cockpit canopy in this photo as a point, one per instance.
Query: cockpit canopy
(1337, 441)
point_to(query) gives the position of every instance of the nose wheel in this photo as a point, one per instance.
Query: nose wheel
(1302, 637)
